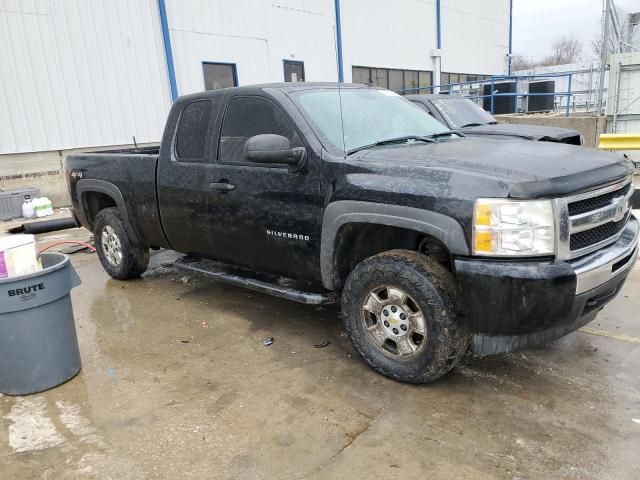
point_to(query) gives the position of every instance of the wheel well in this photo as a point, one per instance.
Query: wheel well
(94, 202)
(357, 241)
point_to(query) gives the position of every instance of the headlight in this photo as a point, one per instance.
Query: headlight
(513, 228)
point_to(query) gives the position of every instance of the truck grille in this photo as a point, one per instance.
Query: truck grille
(594, 219)
(596, 235)
(588, 204)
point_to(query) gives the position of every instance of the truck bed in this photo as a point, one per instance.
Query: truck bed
(133, 172)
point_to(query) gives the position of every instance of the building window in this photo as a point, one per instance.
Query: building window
(293, 71)
(447, 77)
(411, 81)
(401, 81)
(425, 79)
(380, 77)
(192, 131)
(219, 75)
(396, 80)
(361, 75)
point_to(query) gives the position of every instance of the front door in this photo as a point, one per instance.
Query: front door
(264, 217)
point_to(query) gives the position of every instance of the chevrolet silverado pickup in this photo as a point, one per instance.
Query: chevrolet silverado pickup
(436, 244)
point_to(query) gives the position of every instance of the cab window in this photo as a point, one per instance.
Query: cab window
(192, 131)
(249, 116)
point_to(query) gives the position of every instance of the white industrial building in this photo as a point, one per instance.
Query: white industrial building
(584, 83)
(623, 105)
(95, 73)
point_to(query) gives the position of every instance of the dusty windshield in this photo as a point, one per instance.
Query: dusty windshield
(368, 116)
(462, 112)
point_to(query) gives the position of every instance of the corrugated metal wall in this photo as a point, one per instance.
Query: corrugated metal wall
(84, 73)
(401, 34)
(475, 36)
(256, 35)
(398, 35)
(623, 103)
(79, 73)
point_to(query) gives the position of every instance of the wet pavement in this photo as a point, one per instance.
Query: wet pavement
(176, 383)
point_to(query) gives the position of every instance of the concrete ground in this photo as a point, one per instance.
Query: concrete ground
(177, 384)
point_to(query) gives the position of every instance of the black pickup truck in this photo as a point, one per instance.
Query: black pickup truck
(436, 244)
(464, 115)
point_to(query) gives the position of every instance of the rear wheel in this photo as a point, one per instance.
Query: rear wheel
(401, 312)
(122, 257)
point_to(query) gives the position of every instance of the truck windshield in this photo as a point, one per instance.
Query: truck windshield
(369, 116)
(462, 112)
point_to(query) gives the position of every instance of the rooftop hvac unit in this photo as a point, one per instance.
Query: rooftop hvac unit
(540, 103)
(501, 104)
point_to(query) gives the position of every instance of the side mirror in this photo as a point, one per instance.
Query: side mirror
(270, 148)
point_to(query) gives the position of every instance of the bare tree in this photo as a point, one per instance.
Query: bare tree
(565, 49)
(520, 62)
(596, 44)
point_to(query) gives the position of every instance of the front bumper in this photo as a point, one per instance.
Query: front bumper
(512, 305)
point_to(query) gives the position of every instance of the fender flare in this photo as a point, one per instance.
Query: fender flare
(91, 185)
(339, 213)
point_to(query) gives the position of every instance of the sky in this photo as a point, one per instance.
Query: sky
(537, 23)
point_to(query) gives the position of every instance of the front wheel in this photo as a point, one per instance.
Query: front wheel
(122, 257)
(400, 309)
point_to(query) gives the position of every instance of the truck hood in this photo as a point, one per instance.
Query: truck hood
(526, 169)
(529, 132)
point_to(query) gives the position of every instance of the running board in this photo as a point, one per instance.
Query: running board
(269, 285)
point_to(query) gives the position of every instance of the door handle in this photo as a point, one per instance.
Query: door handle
(223, 186)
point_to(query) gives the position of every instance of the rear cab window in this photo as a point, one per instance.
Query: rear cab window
(191, 136)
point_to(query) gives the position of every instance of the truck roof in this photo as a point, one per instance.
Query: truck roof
(286, 87)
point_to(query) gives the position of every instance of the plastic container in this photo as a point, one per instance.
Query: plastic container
(11, 201)
(47, 206)
(37, 330)
(27, 208)
(40, 207)
(18, 256)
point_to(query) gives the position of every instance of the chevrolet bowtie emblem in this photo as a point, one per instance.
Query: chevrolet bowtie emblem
(621, 208)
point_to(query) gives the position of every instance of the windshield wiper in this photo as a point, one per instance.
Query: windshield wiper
(493, 123)
(445, 134)
(391, 141)
(474, 124)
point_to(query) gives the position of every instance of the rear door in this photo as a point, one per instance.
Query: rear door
(183, 168)
(269, 217)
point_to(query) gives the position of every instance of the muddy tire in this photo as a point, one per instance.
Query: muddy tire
(401, 311)
(122, 257)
